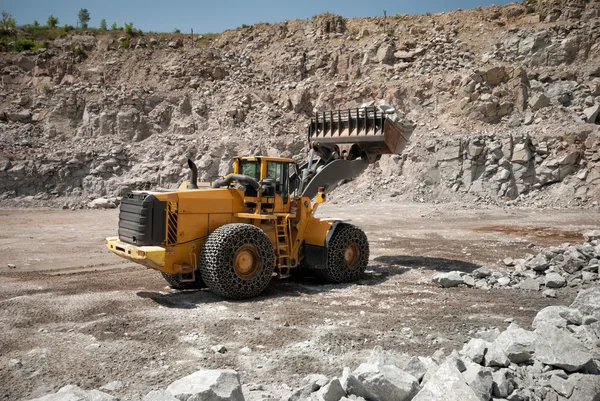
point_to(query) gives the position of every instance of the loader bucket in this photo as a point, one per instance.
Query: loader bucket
(365, 132)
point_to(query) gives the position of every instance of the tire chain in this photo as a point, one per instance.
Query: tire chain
(337, 270)
(217, 260)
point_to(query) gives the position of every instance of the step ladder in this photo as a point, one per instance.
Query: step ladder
(282, 242)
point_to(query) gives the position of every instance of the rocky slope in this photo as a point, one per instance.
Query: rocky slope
(507, 100)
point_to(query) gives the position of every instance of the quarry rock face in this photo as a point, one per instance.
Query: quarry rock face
(514, 123)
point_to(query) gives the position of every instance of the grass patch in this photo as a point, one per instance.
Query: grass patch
(22, 45)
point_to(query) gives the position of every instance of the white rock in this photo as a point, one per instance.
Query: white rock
(208, 385)
(590, 236)
(512, 345)
(503, 386)
(555, 280)
(219, 349)
(332, 391)
(481, 272)
(112, 386)
(14, 364)
(447, 384)
(479, 379)
(386, 382)
(74, 393)
(351, 385)
(101, 203)
(591, 113)
(418, 366)
(475, 349)
(450, 279)
(588, 302)
(159, 395)
(559, 348)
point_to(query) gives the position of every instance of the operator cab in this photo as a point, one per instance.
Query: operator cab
(273, 173)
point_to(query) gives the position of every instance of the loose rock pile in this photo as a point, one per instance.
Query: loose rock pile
(557, 360)
(553, 267)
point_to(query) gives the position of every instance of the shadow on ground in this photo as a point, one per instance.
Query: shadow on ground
(423, 262)
(294, 286)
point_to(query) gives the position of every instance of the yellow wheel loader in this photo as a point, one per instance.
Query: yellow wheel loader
(234, 234)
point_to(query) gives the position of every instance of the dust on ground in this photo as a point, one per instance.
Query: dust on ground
(72, 313)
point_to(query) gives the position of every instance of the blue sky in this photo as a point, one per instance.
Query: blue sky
(217, 15)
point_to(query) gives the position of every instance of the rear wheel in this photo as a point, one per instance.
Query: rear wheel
(347, 255)
(176, 283)
(237, 261)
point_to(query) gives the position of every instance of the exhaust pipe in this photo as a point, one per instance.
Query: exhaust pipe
(242, 179)
(194, 179)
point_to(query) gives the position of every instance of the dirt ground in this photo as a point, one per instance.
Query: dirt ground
(72, 313)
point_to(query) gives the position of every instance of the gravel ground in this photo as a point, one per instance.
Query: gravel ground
(72, 313)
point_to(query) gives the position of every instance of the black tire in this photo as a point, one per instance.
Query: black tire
(175, 283)
(237, 261)
(347, 255)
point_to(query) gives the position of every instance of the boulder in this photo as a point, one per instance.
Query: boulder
(101, 203)
(488, 335)
(208, 385)
(385, 54)
(588, 302)
(159, 395)
(450, 279)
(447, 384)
(351, 385)
(538, 263)
(479, 379)
(481, 272)
(592, 235)
(585, 387)
(386, 382)
(469, 280)
(309, 384)
(559, 348)
(555, 280)
(174, 44)
(539, 101)
(561, 386)
(475, 349)
(530, 284)
(515, 344)
(74, 393)
(591, 113)
(502, 385)
(417, 366)
(552, 315)
(23, 116)
(332, 391)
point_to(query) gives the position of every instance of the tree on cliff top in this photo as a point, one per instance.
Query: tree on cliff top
(84, 17)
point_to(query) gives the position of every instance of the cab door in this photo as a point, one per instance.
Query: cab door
(279, 173)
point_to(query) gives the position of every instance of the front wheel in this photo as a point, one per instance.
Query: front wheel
(347, 255)
(237, 261)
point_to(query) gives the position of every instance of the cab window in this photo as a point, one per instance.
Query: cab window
(250, 168)
(278, 172)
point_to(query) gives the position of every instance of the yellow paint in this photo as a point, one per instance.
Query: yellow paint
(152, 257)
(199, 212)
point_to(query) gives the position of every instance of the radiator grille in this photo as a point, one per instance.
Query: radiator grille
(172, 217)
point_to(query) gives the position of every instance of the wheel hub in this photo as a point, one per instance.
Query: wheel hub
(247, 262)
(351, 254)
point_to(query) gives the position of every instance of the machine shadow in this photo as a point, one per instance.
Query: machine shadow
(294, 286)
(428, 263)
